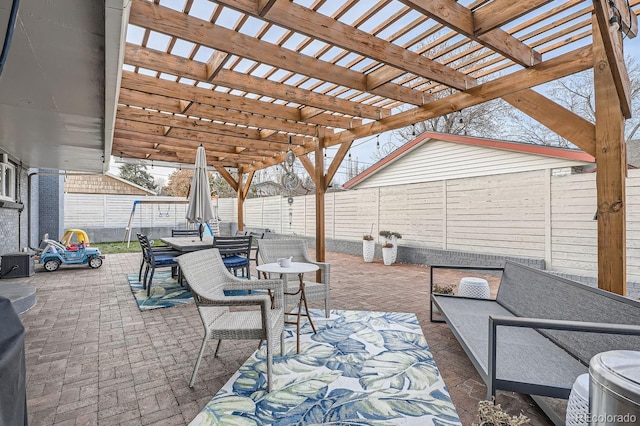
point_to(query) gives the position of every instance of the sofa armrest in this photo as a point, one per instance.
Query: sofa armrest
(547, 324)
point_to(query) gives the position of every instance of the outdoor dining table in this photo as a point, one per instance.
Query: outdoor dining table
(296, 268)
(188, 244)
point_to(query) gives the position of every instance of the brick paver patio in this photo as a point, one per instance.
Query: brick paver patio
(94, 358)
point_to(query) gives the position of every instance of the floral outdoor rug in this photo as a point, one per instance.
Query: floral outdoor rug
(165, 292)
(361, 368)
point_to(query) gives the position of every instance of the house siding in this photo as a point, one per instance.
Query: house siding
(438, 160)
(100, 184)
(13, 222)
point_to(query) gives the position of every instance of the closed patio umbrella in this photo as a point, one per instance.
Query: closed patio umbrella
(199, 209)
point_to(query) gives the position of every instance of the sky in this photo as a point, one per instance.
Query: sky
(362, 150)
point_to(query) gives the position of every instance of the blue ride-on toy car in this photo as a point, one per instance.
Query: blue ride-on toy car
(55, 254)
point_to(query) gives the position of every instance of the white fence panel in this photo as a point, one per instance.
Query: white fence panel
(574, 233)
(501, 214)
(415, 211)
(355, 212)
(84, 210)
(509, 214)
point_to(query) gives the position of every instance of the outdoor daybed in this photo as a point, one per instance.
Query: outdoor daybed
(540, 332)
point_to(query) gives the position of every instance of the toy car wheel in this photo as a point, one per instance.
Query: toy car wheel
(51, 265)
(95, 262)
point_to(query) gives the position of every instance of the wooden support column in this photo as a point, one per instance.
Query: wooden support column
(611, 164)
(321, 189)
(243, 191)
(239, 191)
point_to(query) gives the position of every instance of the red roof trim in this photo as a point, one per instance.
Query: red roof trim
(549, 151)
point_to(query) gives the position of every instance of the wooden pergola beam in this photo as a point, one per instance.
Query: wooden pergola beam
(193, 94)
(560, 66)
(167, 21)
(557, 118)
(612, 43)
(227, 177)
(497, 13)
(305, 21)
(458, 17)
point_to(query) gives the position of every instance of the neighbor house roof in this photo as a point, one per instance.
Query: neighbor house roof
(103, 184)
(527, 148)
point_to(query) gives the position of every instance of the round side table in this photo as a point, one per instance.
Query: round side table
(477, 288)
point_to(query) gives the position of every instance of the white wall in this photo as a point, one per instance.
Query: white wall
(528, 214)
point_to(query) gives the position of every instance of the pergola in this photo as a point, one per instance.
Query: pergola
(251, 79)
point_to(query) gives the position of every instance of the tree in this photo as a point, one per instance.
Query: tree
(179, 182)
(486, 119)
(576, 93)
(138, 174)
(222, 187)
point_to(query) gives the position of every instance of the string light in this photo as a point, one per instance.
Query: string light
(378, 142)
(413, 132)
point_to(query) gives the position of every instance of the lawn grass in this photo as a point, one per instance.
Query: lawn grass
(115, 248)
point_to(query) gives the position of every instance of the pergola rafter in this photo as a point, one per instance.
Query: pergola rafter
(250, 79)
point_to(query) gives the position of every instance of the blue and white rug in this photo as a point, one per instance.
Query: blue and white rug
(165, 292)
(361, 368)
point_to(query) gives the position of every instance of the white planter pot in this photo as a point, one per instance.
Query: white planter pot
(394, 250)
(387, 254)
(368, 250)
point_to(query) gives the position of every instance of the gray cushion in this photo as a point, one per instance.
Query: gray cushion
(529, 292)
(523, 355)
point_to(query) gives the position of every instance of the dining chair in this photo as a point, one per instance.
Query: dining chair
(162, 258)
(235, 252)
(271, 249)
(209, 278)
(185, 233)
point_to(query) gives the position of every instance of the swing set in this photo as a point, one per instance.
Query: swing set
(161, 214)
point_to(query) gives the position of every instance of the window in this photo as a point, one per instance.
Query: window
(7, 179)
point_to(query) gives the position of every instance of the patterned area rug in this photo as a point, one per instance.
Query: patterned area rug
(165, 292)
(361, 368)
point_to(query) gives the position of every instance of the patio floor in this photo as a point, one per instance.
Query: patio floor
(94, 358)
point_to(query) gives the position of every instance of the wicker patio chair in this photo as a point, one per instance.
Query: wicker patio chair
(209, 278)
(272, 249)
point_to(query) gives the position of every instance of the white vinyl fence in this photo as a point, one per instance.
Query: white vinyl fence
(529, 214)
(113, 211)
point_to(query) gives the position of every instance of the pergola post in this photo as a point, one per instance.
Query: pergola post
(321, 189)
(240, 202)
(242, 191)
(611, 170)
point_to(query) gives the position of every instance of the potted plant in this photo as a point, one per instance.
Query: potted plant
(368, 247)
(387, 253)
(392, 237)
